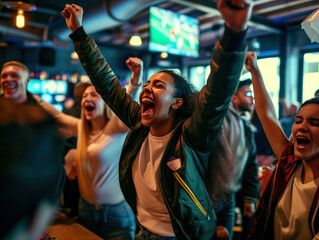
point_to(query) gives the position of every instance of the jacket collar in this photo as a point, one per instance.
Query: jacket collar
(288, 155)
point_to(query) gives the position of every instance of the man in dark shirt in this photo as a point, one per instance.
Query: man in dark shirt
(30, 147)
(14, 78)
(244, 186)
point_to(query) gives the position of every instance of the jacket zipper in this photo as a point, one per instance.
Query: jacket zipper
(171, 212)
(191, 194)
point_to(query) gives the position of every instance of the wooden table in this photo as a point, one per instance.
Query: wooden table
(64, 228)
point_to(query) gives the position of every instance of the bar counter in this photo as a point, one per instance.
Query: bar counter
(64, 228)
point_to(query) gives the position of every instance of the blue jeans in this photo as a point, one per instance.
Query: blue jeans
(108, 221)
(145, 234)
(225, 214)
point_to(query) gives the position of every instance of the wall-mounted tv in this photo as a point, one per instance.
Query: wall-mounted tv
(51, 91)
(173, 33)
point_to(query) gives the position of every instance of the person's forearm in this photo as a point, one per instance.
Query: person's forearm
(263, 103)
(66, 122)
(267, 115)
(137, 78)
(134, 90)
(233, 41)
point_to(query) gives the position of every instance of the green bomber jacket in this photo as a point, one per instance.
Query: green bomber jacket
(183, 190)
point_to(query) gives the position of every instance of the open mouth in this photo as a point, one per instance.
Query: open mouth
(302, 141)
(9, 86)
(89, 107)
(147, 105)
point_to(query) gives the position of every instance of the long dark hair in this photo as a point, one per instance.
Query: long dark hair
(183, 88)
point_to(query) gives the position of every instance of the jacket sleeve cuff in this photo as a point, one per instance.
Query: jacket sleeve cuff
(233, 41)
(250, 199)
(78, 35)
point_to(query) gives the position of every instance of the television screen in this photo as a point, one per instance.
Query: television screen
(173, 33)
(35, 86)
(51, 91)
(62, 87)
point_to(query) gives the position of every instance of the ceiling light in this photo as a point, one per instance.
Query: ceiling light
(84, 79)
(164, 55)
(74, 55)
(20, 22)
(135, 40)
(21, 7)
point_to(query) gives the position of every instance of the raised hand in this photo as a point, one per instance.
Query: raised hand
(251, 61)
(136, 66)
(73, 15)
(236, 13)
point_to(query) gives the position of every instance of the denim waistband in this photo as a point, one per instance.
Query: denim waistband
(101, 207)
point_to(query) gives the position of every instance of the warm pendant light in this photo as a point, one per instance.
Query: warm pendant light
(135, 41)
(21, 7)
(20, 22)
(164, 55)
